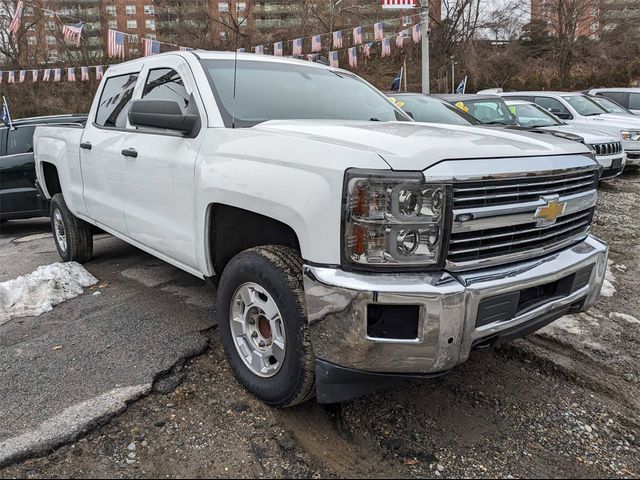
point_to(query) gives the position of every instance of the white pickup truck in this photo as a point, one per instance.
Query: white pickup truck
(352, 246)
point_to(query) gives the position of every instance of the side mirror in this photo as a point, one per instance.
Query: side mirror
(163, 114)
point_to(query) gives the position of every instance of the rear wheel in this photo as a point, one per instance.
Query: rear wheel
(73, 237)
(263, 325)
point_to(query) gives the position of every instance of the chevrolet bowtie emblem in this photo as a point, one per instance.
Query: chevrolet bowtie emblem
(550, 212)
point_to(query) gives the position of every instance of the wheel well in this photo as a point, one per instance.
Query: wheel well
(234, 230)
(51, 179)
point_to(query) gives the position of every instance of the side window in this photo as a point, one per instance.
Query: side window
(166, 84)
(552, 105)
(618, 97)
(116, 100)
(20, 140)
(634, 101)
(3, 140)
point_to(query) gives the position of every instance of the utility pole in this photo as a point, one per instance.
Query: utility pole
(424, 15)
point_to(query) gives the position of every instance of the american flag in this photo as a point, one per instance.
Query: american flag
(34, 75)
(357, 36)
(46, 75)
(297, 47)
(116, 44)
(334, 60)
(84, 74)
(278, 49)
(386, 47)
(416, 32)
(186, 49)
(259, 49)
(337, 39)
(16, 20)
(71, 74)
(311, 57)
(99, 72)
(353, 57)
(400, 40)
(367, 50)
(73, 33)
(241, 50)
(316, 43)
(151, 47)
(57, 75)
(12, 77)
(23, 76)
(398, 3)
(378, 30)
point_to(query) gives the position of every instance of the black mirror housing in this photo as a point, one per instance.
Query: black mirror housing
(163, 114)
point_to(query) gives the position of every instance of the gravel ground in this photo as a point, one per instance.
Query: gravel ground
(561, 403)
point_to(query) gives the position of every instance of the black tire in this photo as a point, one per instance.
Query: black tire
(79, 239)
(278, 270)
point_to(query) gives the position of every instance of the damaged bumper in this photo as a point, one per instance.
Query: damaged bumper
(368, 330)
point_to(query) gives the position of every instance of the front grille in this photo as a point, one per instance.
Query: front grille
(496, 242)
(607, 149)
(480, 194)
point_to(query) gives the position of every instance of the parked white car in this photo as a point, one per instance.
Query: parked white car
(353, 247)
(579, 109)
(607, 148)
(627, 97)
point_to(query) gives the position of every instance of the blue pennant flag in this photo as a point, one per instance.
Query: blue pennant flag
(462, 87)
(6, 116)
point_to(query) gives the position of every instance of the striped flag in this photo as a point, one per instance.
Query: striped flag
(337, 39)
(151, 47)
(22, 76)
(84, 74)
(357, 36)
(57, 75)
(311, 57)
(353, 57)
(116, 44)
(186, 49)
(46, 75)
(400, 40)
(378, 30)
(259, 49)
(334, 60)
(386, 47)
(71, 74)
(12, 77)
(398, 4)
(241, 50)
(16, 20)
(416, 33)
(34, 75)
(297, 47)
(73, 33)
(367, 50)
(278, 49)
(99, 72)
(316, 43)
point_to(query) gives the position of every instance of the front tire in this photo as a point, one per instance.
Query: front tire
(263, 325)
(72, 236)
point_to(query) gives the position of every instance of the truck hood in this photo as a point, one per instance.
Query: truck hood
(586, 134)
(417, 146)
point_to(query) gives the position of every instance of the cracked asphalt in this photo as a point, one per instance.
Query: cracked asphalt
(142, 389)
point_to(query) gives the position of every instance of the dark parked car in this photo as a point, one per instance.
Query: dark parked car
(19, 197)
(423, 108)
(489, 109)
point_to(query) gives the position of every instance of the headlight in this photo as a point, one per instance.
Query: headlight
(394, 219)
(633, 135)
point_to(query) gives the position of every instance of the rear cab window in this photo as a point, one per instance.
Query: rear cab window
(115, 101)
(21, 140)
(634, 101)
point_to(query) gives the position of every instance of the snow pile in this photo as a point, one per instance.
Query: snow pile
(38, 292)
(624, 317)
(608, 289)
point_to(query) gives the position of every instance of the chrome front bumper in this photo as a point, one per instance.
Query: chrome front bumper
(337, 304)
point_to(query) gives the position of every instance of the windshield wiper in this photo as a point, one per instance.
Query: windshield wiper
(594, 114)
(498, 123)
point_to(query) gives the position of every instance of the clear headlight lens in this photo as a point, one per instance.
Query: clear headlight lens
(633, 135)
(393, 219)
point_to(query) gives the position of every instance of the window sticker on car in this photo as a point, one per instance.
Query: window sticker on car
(462, 107)
(512, 109)
(396, 102)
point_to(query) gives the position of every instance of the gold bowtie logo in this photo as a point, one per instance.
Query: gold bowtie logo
(550, 212)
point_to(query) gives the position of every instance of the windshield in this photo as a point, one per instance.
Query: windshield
(430, 110)
(492, 111)
(584, 105)
(282, 91)
(610, 106)
(533, 116)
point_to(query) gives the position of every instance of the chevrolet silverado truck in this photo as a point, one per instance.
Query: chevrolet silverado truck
(351, 246)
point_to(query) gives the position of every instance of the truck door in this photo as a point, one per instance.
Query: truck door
(159, 168)
(100, 152)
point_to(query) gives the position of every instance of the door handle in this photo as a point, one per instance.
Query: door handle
(130, 152)
(86, 146)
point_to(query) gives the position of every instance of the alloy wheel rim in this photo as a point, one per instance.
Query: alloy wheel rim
(60, 231)
(258, 330)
